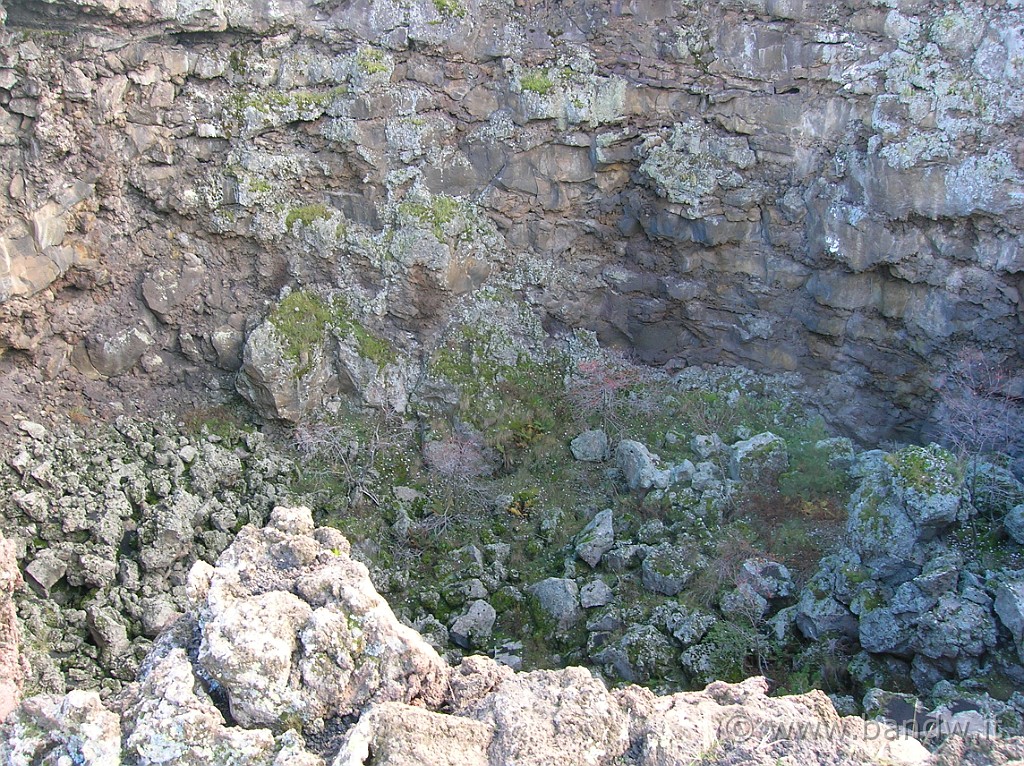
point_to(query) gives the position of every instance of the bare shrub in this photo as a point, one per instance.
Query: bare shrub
(456, 464)
(611, 387)
(978, 411)
(348, 454)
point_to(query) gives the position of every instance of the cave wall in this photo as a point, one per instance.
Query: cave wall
(834, 189)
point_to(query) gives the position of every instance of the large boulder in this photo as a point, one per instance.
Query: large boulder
(954, 628)
(759, 459)
(926, 484)
(667, 569)
(171, 719)
(277, 385)
(293, 629)
(640, 467)
(1014, 523)
(392, 734)
(819, 614)
(881, 533)
(564, 716)
(558, 599)
(882, 630)
(74, 729)
(741, 724)
(114, 354)
(1009, 606)
(644, 652)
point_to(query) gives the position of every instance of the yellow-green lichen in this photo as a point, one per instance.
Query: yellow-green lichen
(372, 61)
(438, 211)
(450, 9)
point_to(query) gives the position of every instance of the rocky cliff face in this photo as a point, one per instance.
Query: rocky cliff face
(287, 656)
(834, 190)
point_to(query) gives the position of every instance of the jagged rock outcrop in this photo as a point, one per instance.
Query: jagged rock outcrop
(907, 584)
(293, 630)
(320, 672)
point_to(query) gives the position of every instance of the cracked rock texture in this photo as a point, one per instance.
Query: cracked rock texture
(319, 671)
(830, 189)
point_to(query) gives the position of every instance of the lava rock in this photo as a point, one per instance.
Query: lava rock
(558, 598)
(591, 446)
(759, 459)
(596, 539)
(595, 593)
(474, 626)
(667, 569)
(1009, 606)
(1014, 523)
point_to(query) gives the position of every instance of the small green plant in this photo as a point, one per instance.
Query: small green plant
(810, 477)
(372, 61)
(306, 215)
(536, 81)
(523, 502)
(450, 9)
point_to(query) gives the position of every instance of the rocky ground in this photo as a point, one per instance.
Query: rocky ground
(105, 529)
(287, 655)
(555, 537)
(376, 257)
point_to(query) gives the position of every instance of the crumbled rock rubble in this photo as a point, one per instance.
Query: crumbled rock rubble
(287, 656)
(105, 524)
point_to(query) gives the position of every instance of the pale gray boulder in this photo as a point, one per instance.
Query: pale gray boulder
(294, 630)
(474, 626)
(596, 539)
(591, 446)
(74, 729)
(559, 599)
(759, 459)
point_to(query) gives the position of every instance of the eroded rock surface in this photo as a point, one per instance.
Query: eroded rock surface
(294, 630)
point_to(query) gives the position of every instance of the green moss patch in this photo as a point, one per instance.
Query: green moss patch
(302, 321)
(306, 215)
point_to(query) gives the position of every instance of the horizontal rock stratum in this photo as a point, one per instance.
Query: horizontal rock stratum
(287, 656)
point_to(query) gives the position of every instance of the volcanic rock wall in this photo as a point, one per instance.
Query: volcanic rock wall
(833, 189)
